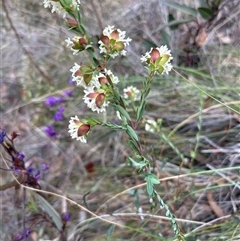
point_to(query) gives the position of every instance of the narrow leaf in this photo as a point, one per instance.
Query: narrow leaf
(153, 178)
(166, 38)
(182, 8)
(50, 211)
(140, 110)
(110, 231)
(139, 165)
(132, 133)
(133, 146)
(149, 186)
(206, 13)
(123, 112)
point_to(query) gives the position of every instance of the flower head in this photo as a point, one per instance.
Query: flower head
(113, 42)
(82, 75)
(96, 99)
(78, 129)
(102, 78)
(132, 93)
(78, 43)
(158, 60)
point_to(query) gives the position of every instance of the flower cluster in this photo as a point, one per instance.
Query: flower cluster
(113, 42)
(99, 82)
(132, 93)
(158, 60)
(97, 93)
(58, 7)
(79, 129)
(77, 43)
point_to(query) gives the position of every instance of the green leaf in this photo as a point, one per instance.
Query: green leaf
(110, 231)
(141, 109)
(132, 133)
(123, 112)
(172, 19)
(166, 38)
(66, 3)
(139, 165)
(178, 22)
(206, 13)
(113, 126)
(50, 211)
(149, 186)
(133, 146)
(79, 20)
(182, 8)
(31, 205)
(153, 178)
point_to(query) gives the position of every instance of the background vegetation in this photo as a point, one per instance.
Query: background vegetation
(198, 103)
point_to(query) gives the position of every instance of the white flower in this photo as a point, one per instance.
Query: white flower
(114, 78)
(118, 115)
(108, 30)
(140, 211)
(76, 3)
(74, 125)
(151, 126)
(132, 93)
(56, 7)
(76, 77)
(69, 42)
(101, 78)
(164, 50)
(145, 57)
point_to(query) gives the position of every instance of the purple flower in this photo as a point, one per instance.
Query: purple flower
(59, 114)
(37, 175)
(66, 217)
(2, 135)
(50, 131)
(70, 81)
(23, 235)
(68, 92)
(31, 170)
(45, 166)
(21, 156)
(53, 100)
